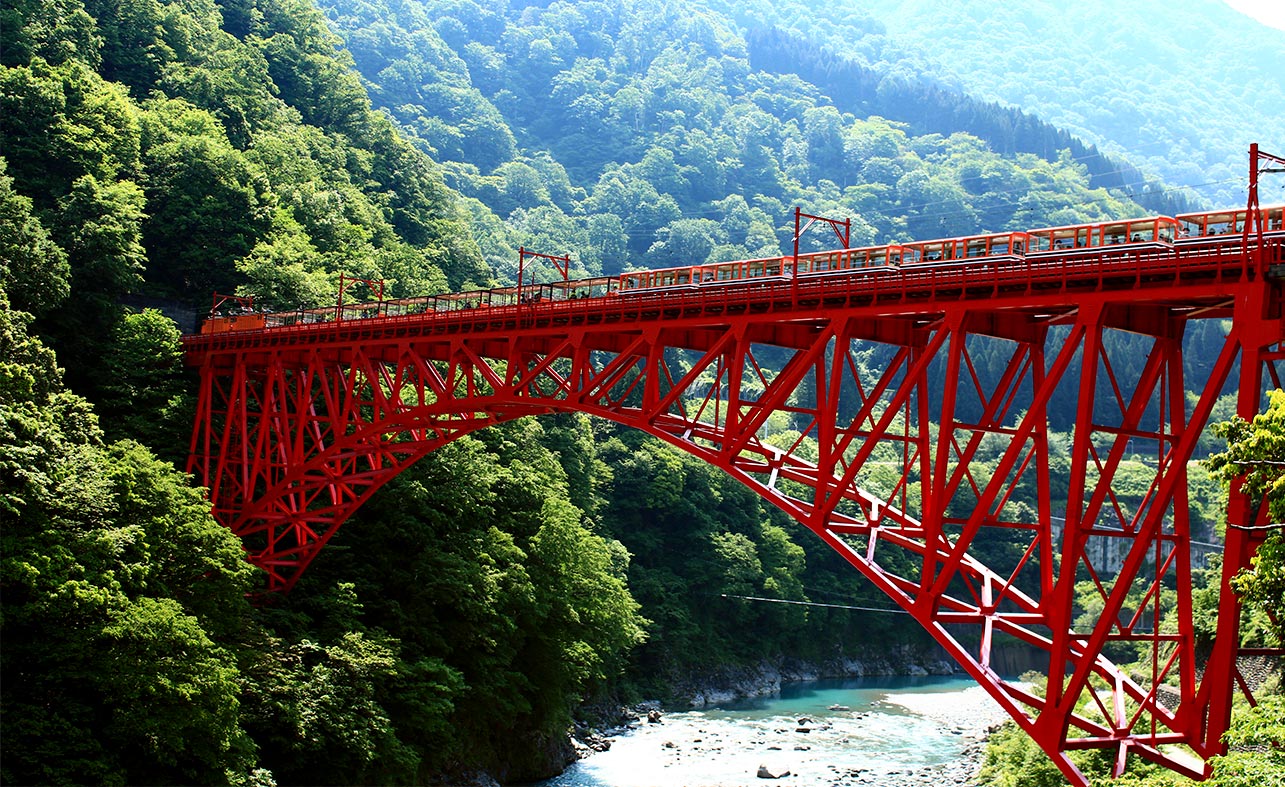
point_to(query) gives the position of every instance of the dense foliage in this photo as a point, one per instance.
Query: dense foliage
(167, 150)
(644, 132)
(131, 654)
(1184, 91)
(171, 153)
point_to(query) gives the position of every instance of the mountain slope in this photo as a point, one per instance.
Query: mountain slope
(642, 132)
(1182, 91)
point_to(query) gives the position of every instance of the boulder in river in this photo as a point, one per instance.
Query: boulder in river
(764, 773)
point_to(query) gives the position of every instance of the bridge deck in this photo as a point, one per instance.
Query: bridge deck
(1184, 278)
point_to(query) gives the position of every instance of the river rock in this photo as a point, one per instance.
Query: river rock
(764, 773)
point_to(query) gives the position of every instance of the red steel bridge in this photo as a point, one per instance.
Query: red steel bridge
(300, 425)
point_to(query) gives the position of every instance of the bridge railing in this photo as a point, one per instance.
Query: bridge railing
(1220, 259)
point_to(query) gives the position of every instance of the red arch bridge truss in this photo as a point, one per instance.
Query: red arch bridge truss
(901, 381)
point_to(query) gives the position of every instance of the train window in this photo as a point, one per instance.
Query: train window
(1225, 223)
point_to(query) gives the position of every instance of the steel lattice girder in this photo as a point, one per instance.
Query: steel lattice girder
(292, 437)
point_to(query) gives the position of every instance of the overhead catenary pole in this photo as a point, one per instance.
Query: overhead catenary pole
(844, 237)
(345, 281)
(561, 264)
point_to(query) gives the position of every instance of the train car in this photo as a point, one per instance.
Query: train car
(664, 279)
(1193, 227)
(772, 269)
(847, 260)
(1152, 231)
(237, 322)
(1000, 245)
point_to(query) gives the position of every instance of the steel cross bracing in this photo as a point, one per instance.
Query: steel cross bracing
(898, 391)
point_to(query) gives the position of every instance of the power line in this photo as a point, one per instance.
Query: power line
(812, 603)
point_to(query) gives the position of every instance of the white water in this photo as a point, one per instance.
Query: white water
(897, 731)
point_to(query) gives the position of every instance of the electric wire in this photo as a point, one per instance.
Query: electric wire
(812, 603)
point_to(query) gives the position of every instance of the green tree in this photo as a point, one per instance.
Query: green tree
(143, 395)
(507, 606)
(1256, 455)
(134, 50)
(1256, 739)
(100, 227)
(284, 270)
(208, 205)
(685, 242)
(116, 583)
(33, 269)
(54, 31)
(62, 122)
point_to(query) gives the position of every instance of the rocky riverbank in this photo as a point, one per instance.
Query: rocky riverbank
(907, 738)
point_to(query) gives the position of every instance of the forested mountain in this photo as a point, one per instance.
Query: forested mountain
(1181, 90)
(165, 149)
(640, 132)
(173, 152)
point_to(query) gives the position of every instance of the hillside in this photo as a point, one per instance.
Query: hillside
(1179, 91)
(643, 132)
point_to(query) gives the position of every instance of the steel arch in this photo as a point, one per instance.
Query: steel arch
(919, 459)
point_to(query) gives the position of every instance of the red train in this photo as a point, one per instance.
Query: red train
(1153, 232)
